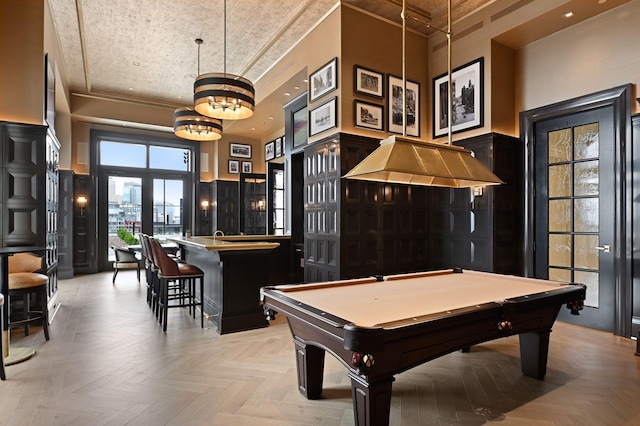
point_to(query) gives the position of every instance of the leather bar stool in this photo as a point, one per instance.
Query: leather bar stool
(2, 373)
(182, 293)
(25, 282)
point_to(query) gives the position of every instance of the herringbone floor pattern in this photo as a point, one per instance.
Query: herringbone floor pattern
(108, 363)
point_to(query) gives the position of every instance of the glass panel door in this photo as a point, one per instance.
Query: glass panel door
(125, 211)
(168, 208)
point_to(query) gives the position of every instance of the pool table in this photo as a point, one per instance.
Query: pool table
(380, 326)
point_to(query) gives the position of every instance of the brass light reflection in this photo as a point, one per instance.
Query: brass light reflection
(414, 162)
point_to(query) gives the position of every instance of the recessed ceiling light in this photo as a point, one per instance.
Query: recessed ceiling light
(270, 118)
(296, 87)
(287, 94)
(305, 80)
(602, 1)
(148, 81)
(253, 128)
(568, 14)
(136, 64)
(130, 88)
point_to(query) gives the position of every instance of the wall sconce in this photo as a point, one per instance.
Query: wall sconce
(478, 191)
(205, 207)
(82, 203)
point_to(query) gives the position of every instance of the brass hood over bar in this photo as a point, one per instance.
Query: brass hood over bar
(413, 162)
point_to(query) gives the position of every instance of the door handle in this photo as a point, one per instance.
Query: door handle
(606, 248)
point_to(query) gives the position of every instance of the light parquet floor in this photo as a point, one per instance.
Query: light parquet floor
(109, 363)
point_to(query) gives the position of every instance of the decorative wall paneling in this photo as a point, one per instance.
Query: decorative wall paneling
(635, 312)
(65, 224)
(224, 213)
(84, 220)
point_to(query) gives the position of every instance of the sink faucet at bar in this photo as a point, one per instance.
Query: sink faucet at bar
(217, 233)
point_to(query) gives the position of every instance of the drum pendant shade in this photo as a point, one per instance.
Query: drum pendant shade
(189, 124)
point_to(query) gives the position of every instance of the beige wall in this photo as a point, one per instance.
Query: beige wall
(376, 44)
(598, 54)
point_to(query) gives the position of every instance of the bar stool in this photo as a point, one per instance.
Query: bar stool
(2, 374)
(183, 276)
(25, 282)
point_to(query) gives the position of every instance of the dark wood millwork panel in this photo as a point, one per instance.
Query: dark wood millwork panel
(84, 220)
(483, 232)
(321, 213)
(29, 196)
(65, 224)
(635, 313)
(204, 220)
(224, 215)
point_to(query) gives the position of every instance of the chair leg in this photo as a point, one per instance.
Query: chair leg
(115, 272)
(138, 269)
(3, 376)
(45, 313)
(201, 302)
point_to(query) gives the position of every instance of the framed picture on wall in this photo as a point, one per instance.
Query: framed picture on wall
(269, 151)
(234, 166)
(324, 80)
(368, 82)
(279, 145)
(468, 99)
(239, 150)
(394, 106)
(247, 167)
(367, 115)
(323, 117)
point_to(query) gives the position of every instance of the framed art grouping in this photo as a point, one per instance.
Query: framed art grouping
(279, 144)
(368, 82)
(323, 117)
(412, 116)
(234, 166)
(468, 99)
(269, 151)
(369, 116)
(324, 80)
(239, 150)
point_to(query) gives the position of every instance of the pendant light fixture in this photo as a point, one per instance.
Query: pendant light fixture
(221, 95)
(189, 124)
(415, 162)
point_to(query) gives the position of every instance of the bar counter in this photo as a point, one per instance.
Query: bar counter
(234, 272)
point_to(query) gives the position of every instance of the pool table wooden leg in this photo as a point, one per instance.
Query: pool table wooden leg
(534, 350)
(371, 401)
(310, 363)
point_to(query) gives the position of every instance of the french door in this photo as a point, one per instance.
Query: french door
(578, 168)
(135, 203)
(574, 214)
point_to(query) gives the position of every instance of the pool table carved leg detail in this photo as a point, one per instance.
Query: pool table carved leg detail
(371, 401)
(310, 364)
(534, 350)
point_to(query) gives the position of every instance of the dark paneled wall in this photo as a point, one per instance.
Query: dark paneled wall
(65, 224)
(225, 212)
(635, 313)
(84, 237)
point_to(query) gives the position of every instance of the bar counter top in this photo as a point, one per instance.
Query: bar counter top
(221, 244)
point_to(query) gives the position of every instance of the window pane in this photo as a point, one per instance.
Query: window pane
(586, 141)
(586, 178)
(560, 181)
(585, 215)
(169, 158)
(123, 154)
(562, 275)
(592, 281)
(560, 215)
(560, 250)
(585, 252)
(560, 146)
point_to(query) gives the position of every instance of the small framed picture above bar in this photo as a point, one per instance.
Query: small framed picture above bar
(324, 80)
(247, 167)
(239, 150)
(269, 151)
(368, 116)
(368, 82)
(234, 166)
(323, 117)
(412, 103)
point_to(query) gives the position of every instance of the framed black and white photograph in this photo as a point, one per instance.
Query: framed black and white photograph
(269, 151)
(394, 100)
(324, 80)
(247, 167)
(367, 115)
(279, 145)
(234, 166)
(239, 150)
(368, 82)
(323, 117)
(468, 97)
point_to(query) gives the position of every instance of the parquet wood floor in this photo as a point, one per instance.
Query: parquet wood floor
(109, 363)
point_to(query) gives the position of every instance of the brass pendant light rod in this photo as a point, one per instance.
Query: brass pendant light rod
(449, 50)
(404, 68)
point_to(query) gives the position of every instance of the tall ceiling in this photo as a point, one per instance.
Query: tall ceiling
(145, 50)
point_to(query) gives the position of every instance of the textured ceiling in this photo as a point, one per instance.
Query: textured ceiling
(145, 50)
